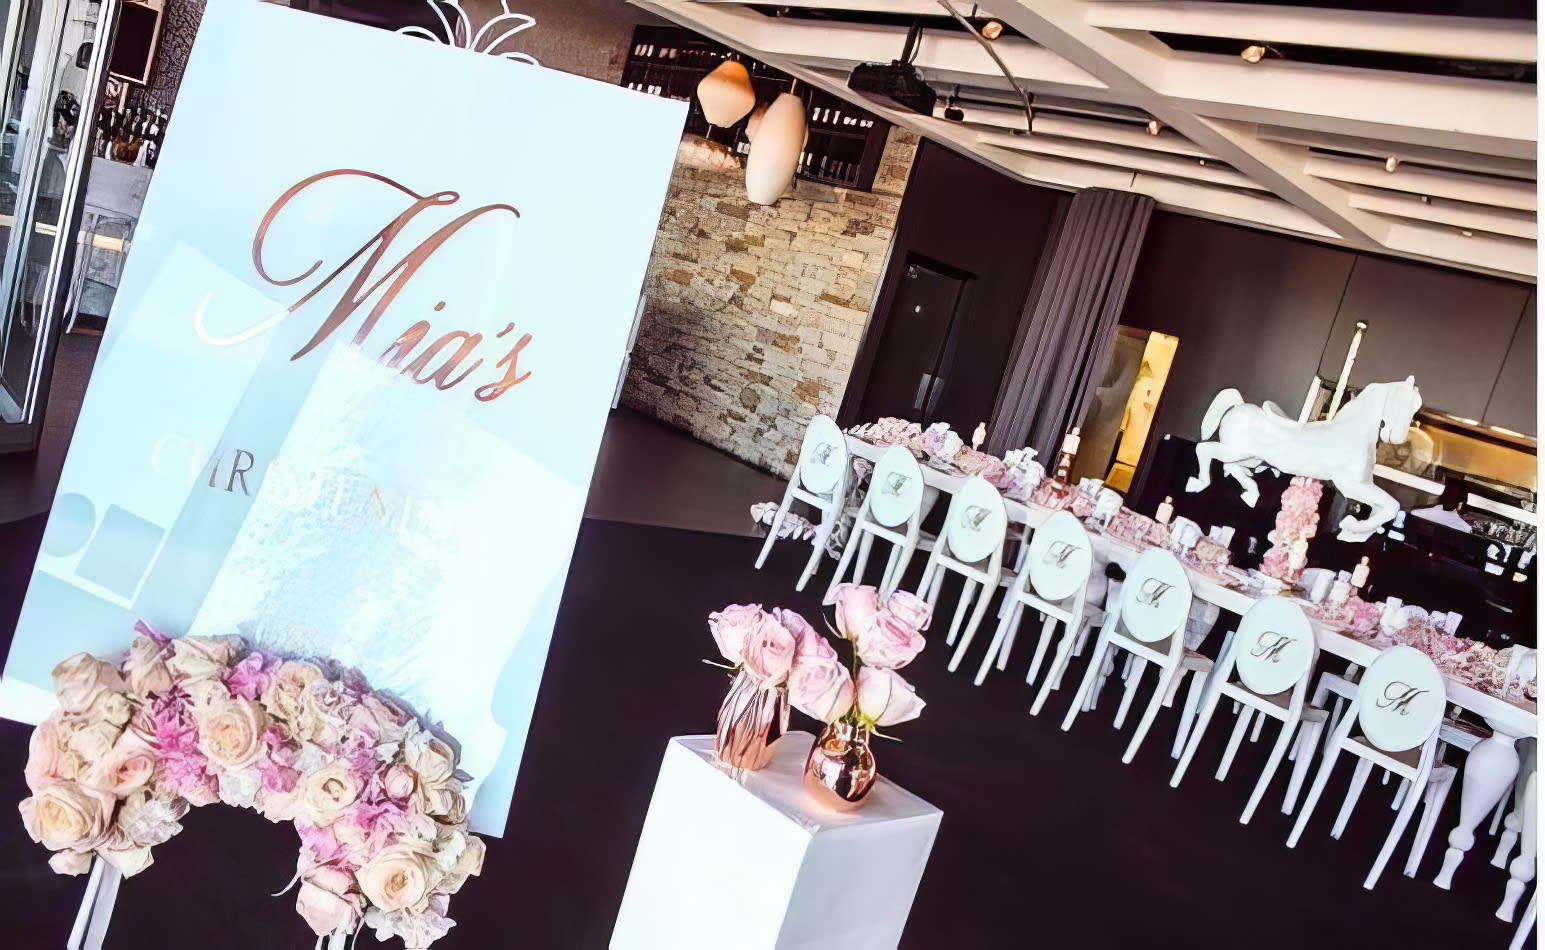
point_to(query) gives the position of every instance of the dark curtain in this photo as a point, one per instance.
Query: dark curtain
(1070, 322)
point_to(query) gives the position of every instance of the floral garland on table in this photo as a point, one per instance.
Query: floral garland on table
(373, 793)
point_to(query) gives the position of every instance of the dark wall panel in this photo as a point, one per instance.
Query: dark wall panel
(970, 219)
(1252, 311)
(1449, 329)
(1515, 401)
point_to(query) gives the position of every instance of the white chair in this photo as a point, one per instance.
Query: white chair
(892, 511)
(1274, 652)
(1397, 712)
(820, 480)
(1053, 579)
(1521, 871)
(1152, 608)
(970, 544)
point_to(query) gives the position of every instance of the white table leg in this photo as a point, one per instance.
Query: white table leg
(1521, 872)
(1488, 775)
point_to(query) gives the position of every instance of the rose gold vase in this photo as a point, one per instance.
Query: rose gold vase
(752, 719)
(840, 770)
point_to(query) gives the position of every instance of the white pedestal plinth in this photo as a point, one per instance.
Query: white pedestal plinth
(755, 863)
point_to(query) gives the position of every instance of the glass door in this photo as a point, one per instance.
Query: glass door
(54, 56)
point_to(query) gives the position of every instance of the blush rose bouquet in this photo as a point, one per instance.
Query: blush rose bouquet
(373, 792)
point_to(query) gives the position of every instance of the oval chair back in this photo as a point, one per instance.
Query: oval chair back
(823, 458)
(1400, 700)
(977, 522)
(1060, 558)
(895, 488)
(1274, 648)
(1155, 597)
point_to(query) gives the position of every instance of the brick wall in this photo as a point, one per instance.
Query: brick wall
(753, 314)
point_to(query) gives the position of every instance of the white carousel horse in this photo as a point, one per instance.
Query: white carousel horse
(1340, 451)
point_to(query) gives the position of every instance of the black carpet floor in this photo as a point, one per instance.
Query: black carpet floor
(1047, 839)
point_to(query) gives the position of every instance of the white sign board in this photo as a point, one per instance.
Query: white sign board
(354, 382)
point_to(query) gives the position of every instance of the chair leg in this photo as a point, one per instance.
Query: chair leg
(999, 636)
(1042, 644)
(1437, 795)
(1273, 762)
(938, 585)
(818, 550)
(1059, 665)
(1496, 815)
(1241, 723)
(1525, 923)
(1188, 714)
(1308, 739)
(1509, 836)
(1354, 792)
(960, 614)
(1255, 731)
(1135, 668)
(1402, 818)
(1107, 667)
(888, 579)
(1096, 660)
(1315, 791)
(843, 563)
(863, 558)
(982, 603)
(1151, 713)
(1209, 705)
(772, 529)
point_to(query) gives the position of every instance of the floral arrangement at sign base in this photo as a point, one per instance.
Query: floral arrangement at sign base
(373, 793)
(779, 659)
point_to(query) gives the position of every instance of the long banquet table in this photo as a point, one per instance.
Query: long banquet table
(1491, 767)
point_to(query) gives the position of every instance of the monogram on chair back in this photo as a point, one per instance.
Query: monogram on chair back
(977, 521)
(1156, 597)
(1060, 557)
(823, 457)
(895, 488)
(1400, 700)
(1274, 647)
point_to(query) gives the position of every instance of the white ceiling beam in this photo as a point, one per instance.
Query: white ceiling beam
(1422, 155)
(1131, 67)
(917, 8)
(1120, 157)
(1252, 208)
(1448, 37)
(1509, 256)
(1439, 183)
(1457, 214)
(1116, 133)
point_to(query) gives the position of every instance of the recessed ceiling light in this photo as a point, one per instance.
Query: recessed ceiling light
(1253, 54)
(1154, 125)
(1391, 163)
(992, 29)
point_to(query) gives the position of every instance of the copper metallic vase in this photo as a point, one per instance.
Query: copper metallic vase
(840, 770)
(752, 719)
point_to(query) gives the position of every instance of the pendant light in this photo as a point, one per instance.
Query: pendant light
(726, 94)
(775, 153)
(755, 122)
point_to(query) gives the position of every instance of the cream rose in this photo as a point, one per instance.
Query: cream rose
(326, 901)
(398, 783)
(884, 698)
(468, 864)
(230, 733)
(290, 679)
(92, 740)
(397, 878)
(128, 861)
(82, 678)
(327, 793)
(324, 712)
(430, 756)
(48, 758)
(195, 658)
(67, 815)
(148, 674)
(70, 862)
(114, 708)
(126, 769)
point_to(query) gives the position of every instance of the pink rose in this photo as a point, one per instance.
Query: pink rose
(80, 680)
(910, 609)
(820, 687)
(48, 758)
(889, 644)
(769, 652)
(807, 640)
(126, 769)
(732, 627)
(857, 608)
(230, 733)
(398, 783)
(884, 698)
(328, 901)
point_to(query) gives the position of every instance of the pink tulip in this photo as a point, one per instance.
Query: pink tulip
(732, 626)
(769, 652)
(820, 687)
(857, 609)
(890, 644)
(884, 698)
(910, 609)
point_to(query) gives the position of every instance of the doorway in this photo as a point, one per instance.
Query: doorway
(912, 364)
